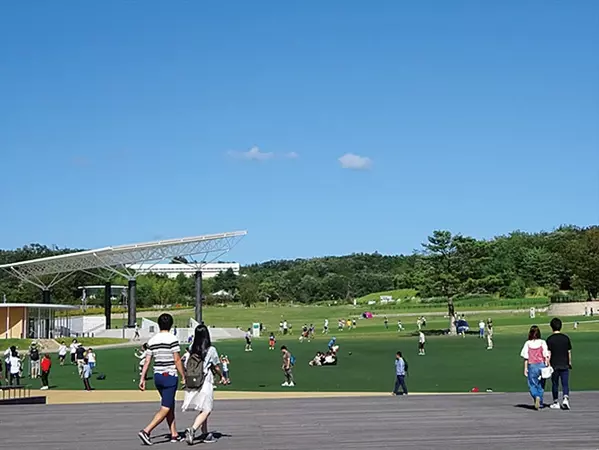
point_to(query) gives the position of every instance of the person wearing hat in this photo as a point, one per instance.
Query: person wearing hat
(34, 360)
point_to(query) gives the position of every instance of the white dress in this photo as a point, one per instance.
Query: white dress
(203, 399)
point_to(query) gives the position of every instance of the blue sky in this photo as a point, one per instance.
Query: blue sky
(123, 122)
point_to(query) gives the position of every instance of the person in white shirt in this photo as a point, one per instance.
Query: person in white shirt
(285, 327)
(481, 329)
(73, 350)
(15, 367)
(141, 355)
(91, 358)
(421, 342)
(202, 399)
(164, 349)
(325, 329)
(62, 353)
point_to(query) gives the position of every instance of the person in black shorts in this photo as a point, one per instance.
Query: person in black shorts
(560, 349)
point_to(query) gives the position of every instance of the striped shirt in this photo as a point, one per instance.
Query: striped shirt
(162, 347)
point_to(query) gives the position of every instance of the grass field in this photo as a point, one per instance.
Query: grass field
(23, 344)
(452, 364)
(297, 315)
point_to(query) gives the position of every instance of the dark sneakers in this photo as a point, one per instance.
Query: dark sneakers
(145, 437)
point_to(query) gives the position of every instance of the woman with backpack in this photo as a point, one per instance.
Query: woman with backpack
(200, 367)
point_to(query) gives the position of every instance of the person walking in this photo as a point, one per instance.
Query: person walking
(288, 362)
(560, 359)
(421, 343)
(45, 365)
(86, 374)
(248, 340)
(80, 357)
(34, 361)
(15, 367)
(164, 349)
(489, 334)
(62, 353)
(202, 364)
(401, 370)
(91, 358)
(73, 350)
(536, 357)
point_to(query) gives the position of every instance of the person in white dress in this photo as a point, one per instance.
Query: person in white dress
(202, 399)
(62, 353)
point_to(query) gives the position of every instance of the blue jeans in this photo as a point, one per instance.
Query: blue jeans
(564, 375)
(536, 386)
(400, 382)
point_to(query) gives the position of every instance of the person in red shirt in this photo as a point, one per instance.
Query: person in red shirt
(45, 365)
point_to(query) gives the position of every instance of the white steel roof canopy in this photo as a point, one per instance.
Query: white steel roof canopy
(123, 256)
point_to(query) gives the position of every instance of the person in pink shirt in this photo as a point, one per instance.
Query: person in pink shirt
(536, 358)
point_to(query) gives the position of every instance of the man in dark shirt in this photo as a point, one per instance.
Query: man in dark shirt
(80, 358)
(560, 348)
(34, 360)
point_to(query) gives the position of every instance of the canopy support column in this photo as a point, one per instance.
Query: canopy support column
(108, 303)
(131, 303)
(198, 306)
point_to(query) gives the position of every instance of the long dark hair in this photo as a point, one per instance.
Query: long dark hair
(534, 333)
(13, 352)
(201, 342)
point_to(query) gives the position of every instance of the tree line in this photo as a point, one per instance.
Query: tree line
(563, 264)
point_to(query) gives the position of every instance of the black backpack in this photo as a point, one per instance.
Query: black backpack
(405, 366)
(194, 372)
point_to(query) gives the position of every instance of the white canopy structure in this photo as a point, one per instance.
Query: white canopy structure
(118, 260)
(122, 256)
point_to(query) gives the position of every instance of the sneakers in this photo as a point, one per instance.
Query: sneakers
(190, 436)
(566, 402)
(285, 384)
(176, 438)
(537, 403)
(555, 405)
(145, 437)
(292, 384)
(44, 388)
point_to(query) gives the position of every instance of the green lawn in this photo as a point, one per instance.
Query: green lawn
(452, 364)
(297, 315)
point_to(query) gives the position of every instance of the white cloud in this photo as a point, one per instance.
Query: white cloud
(355, 162)
(292, 155)
(253, 154)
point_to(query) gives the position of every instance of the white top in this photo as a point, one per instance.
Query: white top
(535, 351)
(162, 347)
(73, 347)
(225, 365)
(91, 357)
(285, 325)
(15, 365)
(326, 322)
(62, 350)
(421, 338)
(481, 325)
(7, 356)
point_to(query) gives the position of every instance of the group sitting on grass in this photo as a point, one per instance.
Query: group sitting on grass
(324, 359)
